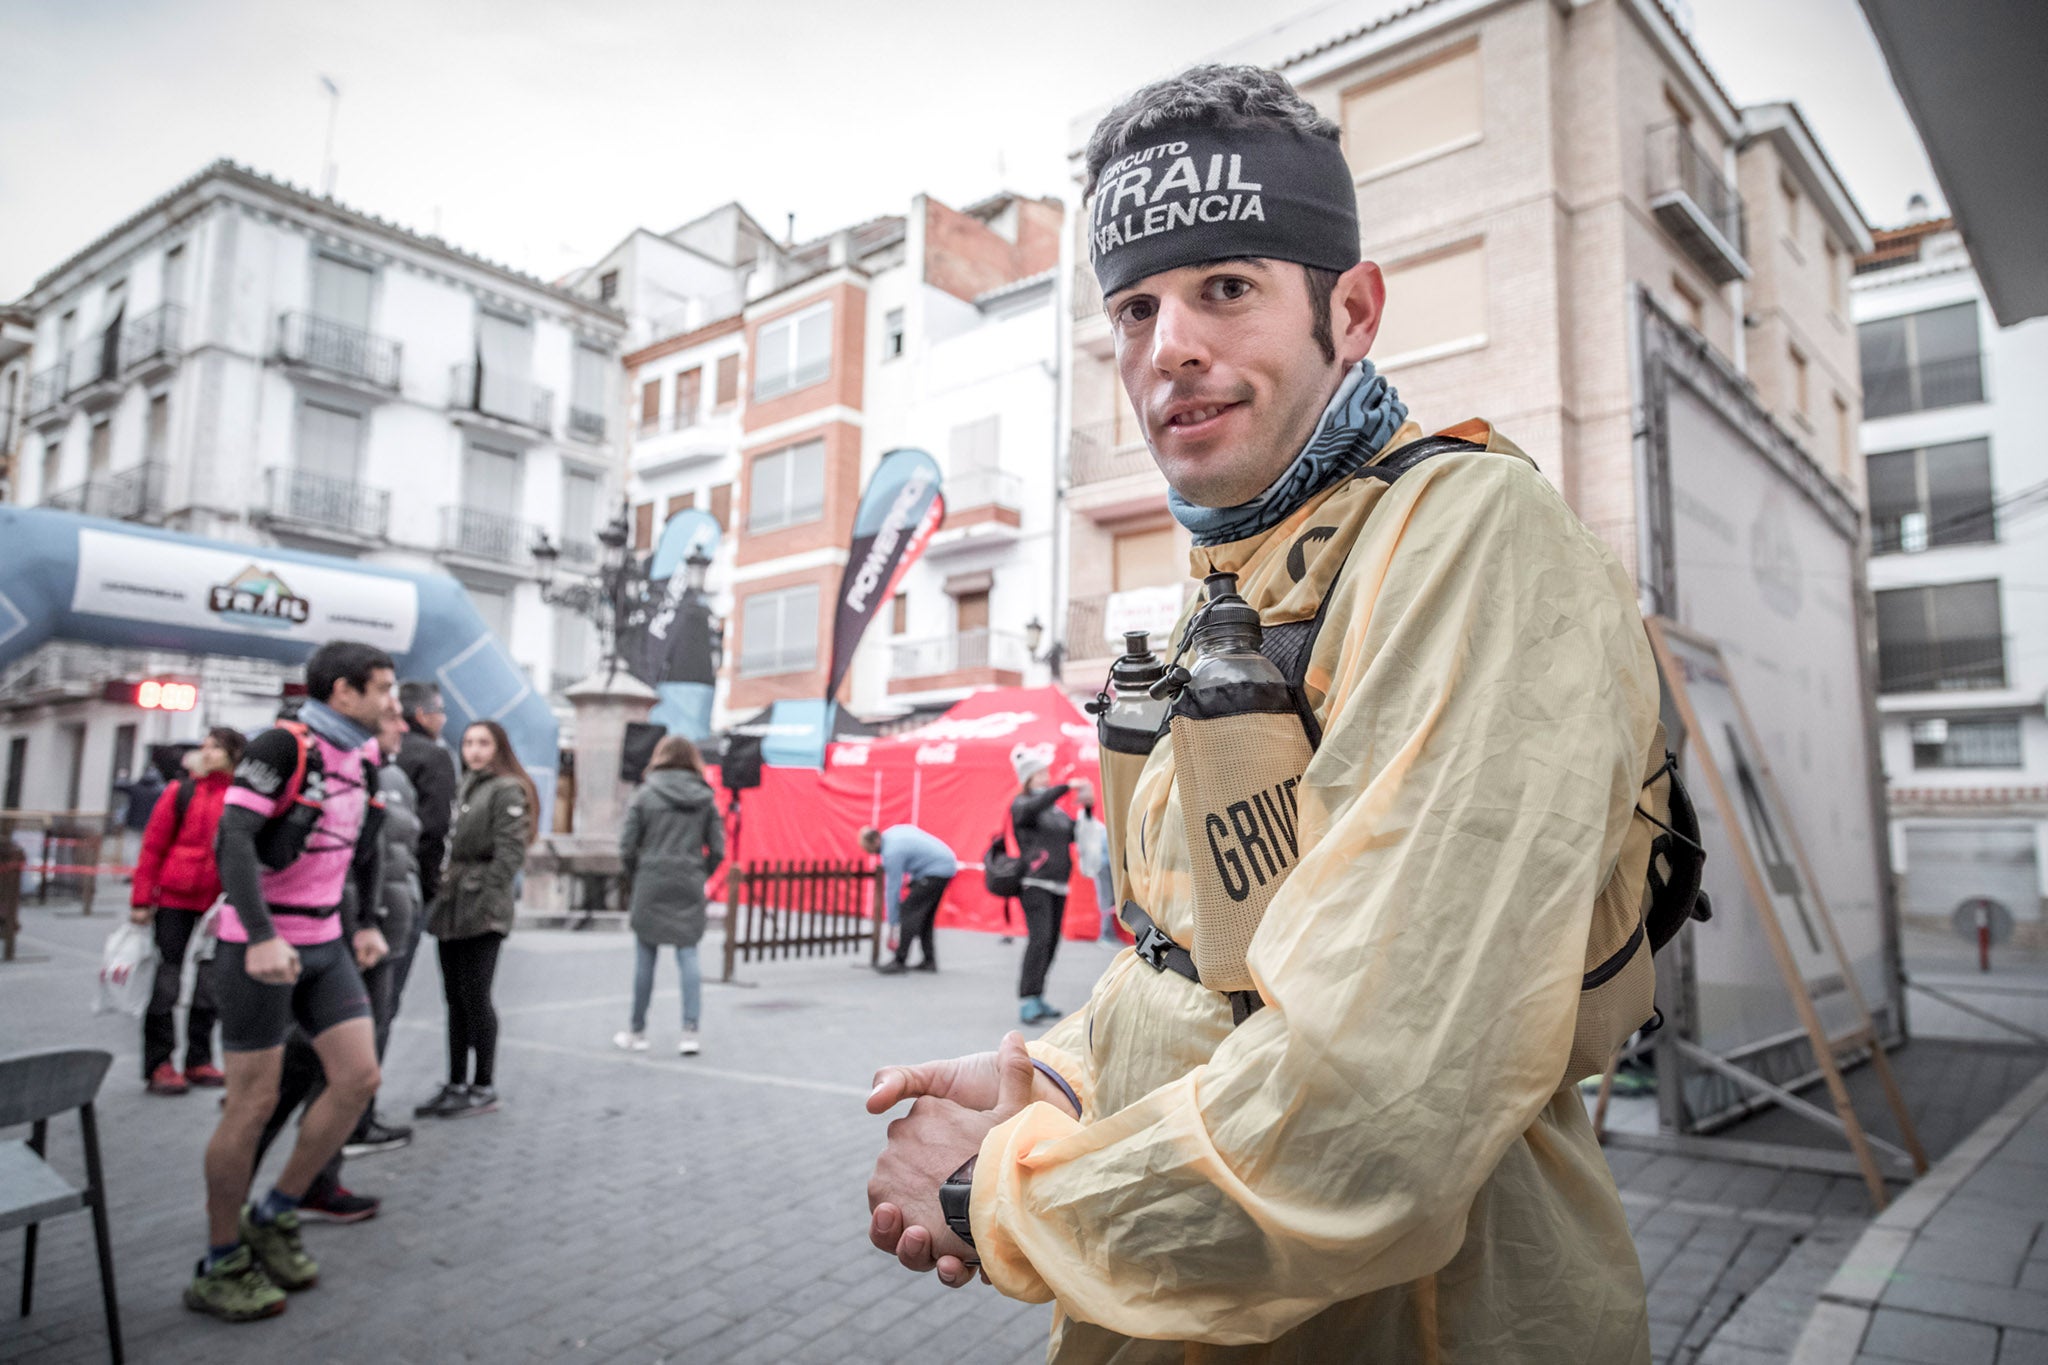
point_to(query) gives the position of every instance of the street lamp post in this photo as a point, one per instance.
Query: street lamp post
(614, 599)
(1055, 654)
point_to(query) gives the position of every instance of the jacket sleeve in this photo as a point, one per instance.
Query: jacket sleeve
(156, 843)
(1492, 695)
(509, 822)
(433, 779)
(714, 841)
(629, 837)
(1026, 809)
(362, 898)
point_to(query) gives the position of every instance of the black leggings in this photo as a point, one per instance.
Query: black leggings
(1042, 912)
(467, 966)
(174, 932)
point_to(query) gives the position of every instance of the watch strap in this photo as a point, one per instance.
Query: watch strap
(956, 1197)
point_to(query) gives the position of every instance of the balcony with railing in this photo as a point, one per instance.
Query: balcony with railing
(46, 393)
(586, 424)
(964, 660)
(1095, 624)
(93, 372)
(1921, 387)
(326, 508)
(338, 351)
(135, 494)
(154, 342)
(984, 507)
(1964, 664)
(487, 537)
(505, 398)
(1091, 323)
(1101, 452)
(1696, 204)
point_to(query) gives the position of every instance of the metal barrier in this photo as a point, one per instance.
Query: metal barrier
(801, 909)
(63, 851)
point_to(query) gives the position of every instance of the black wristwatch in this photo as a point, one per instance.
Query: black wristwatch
(955, 1198)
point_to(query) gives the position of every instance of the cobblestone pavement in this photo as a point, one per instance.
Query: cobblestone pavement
(649, 1208)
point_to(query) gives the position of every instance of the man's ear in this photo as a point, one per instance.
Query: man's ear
(1356, 305)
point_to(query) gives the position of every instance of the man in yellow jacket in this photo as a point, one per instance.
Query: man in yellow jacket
(1387, 1163)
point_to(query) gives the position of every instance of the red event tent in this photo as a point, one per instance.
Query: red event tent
(951, 778)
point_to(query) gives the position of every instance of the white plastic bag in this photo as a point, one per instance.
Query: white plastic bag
(206, 937)
(127, 971)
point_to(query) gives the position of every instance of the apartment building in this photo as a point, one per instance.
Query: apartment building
(247, 361)
(1953, 410)
(1524, 169)
(17, 341)
(768, 397)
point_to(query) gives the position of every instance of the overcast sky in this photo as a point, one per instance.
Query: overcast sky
(539, 133)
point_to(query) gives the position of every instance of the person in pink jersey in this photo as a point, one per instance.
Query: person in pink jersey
(298, 857)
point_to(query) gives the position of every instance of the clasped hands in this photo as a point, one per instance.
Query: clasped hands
(955, 1104)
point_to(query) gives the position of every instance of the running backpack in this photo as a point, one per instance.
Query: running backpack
(1654, 889)
(1002, 871)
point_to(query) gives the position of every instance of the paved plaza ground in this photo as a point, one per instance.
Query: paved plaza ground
(650, 1208)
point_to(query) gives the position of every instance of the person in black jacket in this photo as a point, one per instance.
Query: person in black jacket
(1044, 835)
(430, 768)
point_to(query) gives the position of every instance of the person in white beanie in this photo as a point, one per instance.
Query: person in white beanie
(1044, 835)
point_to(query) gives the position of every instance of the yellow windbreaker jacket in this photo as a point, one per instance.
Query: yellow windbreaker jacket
(1384, 1164)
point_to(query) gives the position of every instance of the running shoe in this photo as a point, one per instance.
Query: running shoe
(278, 1249)
(451, 1098)
(928, 965)
(234, 1290)
(476, 1099)
(333, 1204)
(893, 967)
(377, 1136)
(687, 1047)
(206, 1074)
(166, 1080)
(625, 1040)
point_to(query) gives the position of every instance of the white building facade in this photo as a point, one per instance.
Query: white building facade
(249, 362)
(1953, 413)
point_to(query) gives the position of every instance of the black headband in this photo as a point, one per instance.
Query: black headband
(1206, 194)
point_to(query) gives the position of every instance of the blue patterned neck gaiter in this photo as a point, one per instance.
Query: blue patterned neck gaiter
(1360, 419)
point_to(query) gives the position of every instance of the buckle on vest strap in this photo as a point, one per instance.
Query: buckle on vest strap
(1152, 947)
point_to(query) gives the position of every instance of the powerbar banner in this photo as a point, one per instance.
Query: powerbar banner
(679, 647)
(898, 513)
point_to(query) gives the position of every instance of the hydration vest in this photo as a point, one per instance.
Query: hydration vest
(1653, 891)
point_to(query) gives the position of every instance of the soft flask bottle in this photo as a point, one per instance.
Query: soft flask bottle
(1128, 723)
(1239, 749)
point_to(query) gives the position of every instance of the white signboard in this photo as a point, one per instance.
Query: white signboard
(1152, 610)
(138, 578)
(1770, 580)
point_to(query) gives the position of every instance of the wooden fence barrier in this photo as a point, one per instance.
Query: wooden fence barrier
(801, 909)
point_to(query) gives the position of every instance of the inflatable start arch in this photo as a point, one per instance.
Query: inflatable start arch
(69, 577)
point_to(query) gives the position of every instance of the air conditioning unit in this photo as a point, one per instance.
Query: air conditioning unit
(1931, 731)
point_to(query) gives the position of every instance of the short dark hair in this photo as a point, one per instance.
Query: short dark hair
(416, 695)
(339, 659)
(1223, 97)
(1211, 96)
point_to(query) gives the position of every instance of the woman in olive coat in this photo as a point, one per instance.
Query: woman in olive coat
(672, 841)
(495, 816)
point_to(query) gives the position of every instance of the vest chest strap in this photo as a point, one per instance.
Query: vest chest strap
(1162, 954)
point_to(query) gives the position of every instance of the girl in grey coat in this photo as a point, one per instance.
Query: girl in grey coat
(672, 841)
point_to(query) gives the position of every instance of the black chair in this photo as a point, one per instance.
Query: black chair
(33, 1086)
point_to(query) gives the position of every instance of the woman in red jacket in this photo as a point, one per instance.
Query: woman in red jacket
(176, 881)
